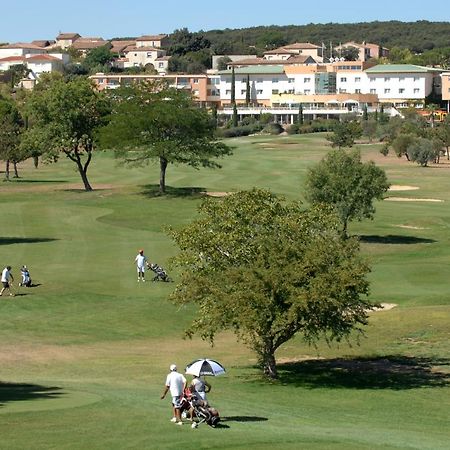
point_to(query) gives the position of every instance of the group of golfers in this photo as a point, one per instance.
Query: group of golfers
(8, 279)
(176, 384)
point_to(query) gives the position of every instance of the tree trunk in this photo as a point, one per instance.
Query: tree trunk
(16, 172)
(7, 170)
(36, 161)
(83, 173)
(162, 174)
(267, 362)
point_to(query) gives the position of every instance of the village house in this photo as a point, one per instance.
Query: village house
(66, 40)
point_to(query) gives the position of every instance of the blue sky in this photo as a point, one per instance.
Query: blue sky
(27, 20)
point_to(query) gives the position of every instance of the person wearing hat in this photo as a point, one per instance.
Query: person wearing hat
(140, 261)
(6, 279)
(176, 383)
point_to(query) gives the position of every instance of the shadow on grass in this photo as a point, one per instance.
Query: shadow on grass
(389, 372)
(152, 190)
(21, 240)
(394, 239)
(16, 392)
(21, 180)
(244, 419)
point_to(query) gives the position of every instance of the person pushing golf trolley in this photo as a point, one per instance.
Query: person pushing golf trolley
(141, 261)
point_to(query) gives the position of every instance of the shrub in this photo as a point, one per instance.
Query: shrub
(239, 131)
(273, 128)
(305, 129)
(293, 129)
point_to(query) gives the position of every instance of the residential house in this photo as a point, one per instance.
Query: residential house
(83, 45)
(233, 58)
(366, 51)
(142, 57)
(119, 47)
(20, 49)
(158, 41)
(66, 40)
(44, 43)
(298, 48)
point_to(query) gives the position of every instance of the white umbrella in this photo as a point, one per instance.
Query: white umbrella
(205, 366)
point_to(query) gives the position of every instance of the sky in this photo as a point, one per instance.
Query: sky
(27, 20)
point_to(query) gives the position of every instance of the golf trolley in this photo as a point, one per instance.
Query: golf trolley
(191, 404)
(160, 273)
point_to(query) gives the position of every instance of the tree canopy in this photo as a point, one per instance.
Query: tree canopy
(343, 181)
(267, 270)
(64, 118)
(152, 121)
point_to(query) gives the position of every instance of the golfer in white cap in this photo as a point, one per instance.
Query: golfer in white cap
(176, 383)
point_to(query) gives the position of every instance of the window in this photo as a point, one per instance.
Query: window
(343, 79)
(373, 91)
(401, 78)
(372, 80)
(291, 80)
(259, 80)
(160, 64)
(416, 90)
(195, 81)
(243, 91)
(274, 91)
(387, 79)
(228, 92)
(149, 54)
(290, 91)
(401, 91)
(274, 80)
(259, 91)
(244, 80)
(357, 79)
(100, 81)
(387, 91)
(215, 81)
(357, 91)
(307, 80)
(307, 91)
(343, 91)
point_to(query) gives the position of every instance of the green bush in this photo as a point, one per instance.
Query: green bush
(239, 131)
(293, 129)
(320, 125)
(273, 128)
(305, 129)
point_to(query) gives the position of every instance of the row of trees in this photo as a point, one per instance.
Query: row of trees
(143, 122)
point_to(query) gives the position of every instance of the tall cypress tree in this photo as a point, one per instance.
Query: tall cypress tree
(301, 119)
(247, 91)
(235, 116)
(365, 114)
(233, 84)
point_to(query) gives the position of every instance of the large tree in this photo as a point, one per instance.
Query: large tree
(343, 181)
(11, 130)
(64, 118)
(267, 270)
(152, 121)
(344, 134)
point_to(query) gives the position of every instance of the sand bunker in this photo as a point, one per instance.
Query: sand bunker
(217, 194)
(398, 187)
(404, 199)
(410, 227)
(385, 307)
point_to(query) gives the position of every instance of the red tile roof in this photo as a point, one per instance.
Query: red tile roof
(42, 58)
(21, 45)
(12, 58)
(157, 37)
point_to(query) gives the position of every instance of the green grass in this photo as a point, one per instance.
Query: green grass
(83, 355)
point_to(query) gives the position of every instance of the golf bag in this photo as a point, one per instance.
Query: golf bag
(26, 278)
(160, 273)
(200, 409)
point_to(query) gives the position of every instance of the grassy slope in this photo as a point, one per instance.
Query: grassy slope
(93, 346)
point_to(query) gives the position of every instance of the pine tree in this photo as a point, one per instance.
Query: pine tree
(233, 88)
(247, 91)
(301, 119)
